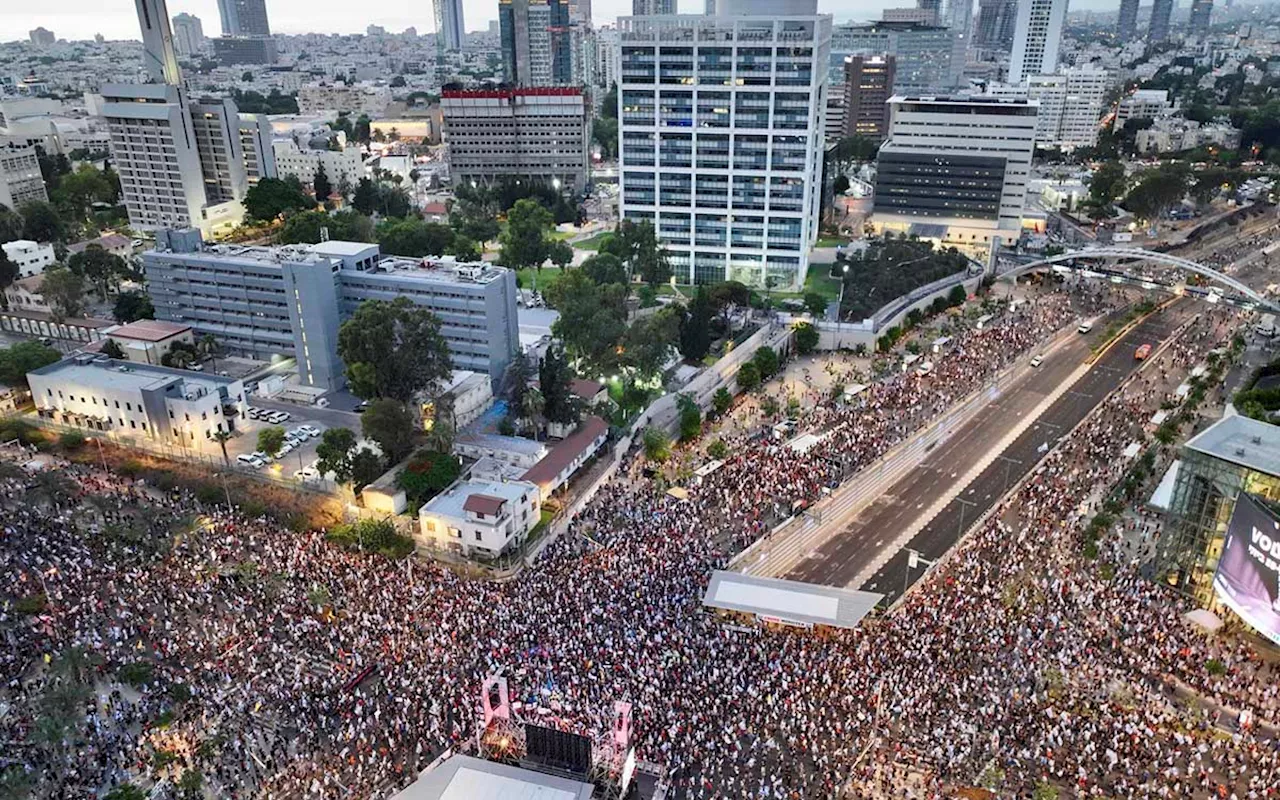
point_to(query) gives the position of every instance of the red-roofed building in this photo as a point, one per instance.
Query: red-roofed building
(481, 518)
(146, 341)
(113, 243)
(567, 457)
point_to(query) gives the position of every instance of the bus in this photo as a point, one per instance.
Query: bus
(1142, 352)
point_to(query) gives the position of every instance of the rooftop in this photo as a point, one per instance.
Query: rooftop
(340, 249)
(467, 778)
(458, 499)
(102, 372)
(1241, 440)
(111, 241)
(506, 444)
(793, 601)
(149, 330)
(564, 453)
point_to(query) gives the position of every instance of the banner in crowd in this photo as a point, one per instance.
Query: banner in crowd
(1248, 577)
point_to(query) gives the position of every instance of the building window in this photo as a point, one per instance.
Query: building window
(479, 538)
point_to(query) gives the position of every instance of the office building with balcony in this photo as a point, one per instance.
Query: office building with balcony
(540, 134)
(955, 169)
(289, 301)
(721, 125)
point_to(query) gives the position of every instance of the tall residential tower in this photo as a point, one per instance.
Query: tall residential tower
(1036, 38)
(244, 17)
(450, 30)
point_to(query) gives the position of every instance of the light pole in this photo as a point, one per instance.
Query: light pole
(914, 559)
(98, 441)
(963, 503)
(844, 275)
(1008, 466)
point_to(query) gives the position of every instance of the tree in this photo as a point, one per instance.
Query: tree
(532, 406)
(690, 417)
(427, 474)
(1107, 183)
(366, 197)
(63, 290)
(806, 338)
(208, 346)
(657, 445)
(1157, 191)
(393, 349)
(392, 425)
(9, 273)
(646, 346)
(604, 132)
(851, 150)
(748, 376)
(721, 400)
(695, 332)
(361, 129)
(525, 242)
(78, 191)
(637, 245)
(766, 361)
(398, 82)
(112, 349)
(560, 253)
(560, 405)
(815, 304)
(320, 184)
(222, 437)
(271, 439)
(592, 320)
(102, 269)
(41, 222)
(472, 215)
(11, 224)
(414, 238)
(464, 249)
(131, 306)
(604, 268)
(344, 226)
(366, 467)
(126, 791)
(333, 454)
(270, 197)
(24, 357)
(840, 185)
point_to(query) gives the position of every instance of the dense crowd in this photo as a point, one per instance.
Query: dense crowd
(285, 667)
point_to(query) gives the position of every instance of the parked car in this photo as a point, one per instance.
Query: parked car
(261, 456)
(250, 460)
(307, 474)
(1037, 361)
(311, 430)
(279, 416)
(285, 449)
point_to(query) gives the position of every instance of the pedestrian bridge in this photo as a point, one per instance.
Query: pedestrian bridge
(1251, 299)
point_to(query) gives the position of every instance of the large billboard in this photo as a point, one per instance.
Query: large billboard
(1248, 578)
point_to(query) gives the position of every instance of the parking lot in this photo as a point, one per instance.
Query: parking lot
(299, 456)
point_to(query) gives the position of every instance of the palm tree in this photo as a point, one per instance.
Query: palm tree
(208, 345)
(221, 437)
(531, 406)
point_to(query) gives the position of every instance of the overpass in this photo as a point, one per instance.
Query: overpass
(1129, 254)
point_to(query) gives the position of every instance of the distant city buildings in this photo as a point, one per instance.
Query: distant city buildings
(450, 28)
(289, 301)
(537, 42)
(233, 50)
(1142, 104)
(188, 34)
(20, 178)
(42, 38)
(645, 8)
(868, 84)
(357, 99)
(1158, 31)
(539, 134)
(926, 56)
(1201, 11)
(1127, 24)
(721, 129)
(1071, 104)
(244, 17)
(1036, 39)
(997, 20)
(955, 169)
(303, 153)
(1174, 135)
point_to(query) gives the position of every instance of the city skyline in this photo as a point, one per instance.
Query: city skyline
(82, 19)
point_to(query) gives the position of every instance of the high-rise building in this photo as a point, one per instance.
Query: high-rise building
(721, 137)
(537, 134)
(244, 17)
(538, 43)
(232, 50)
(1036, 38)
(1158, 31)
(934, 9)
(868, 84)
(256, 146)
(960, 17)
(1071, 105)
(926, 57)
(289, 301)
(955, 169)
(20, 177)
(1127, 24)
(997, 20)
(606, 57)
(188, 34)
(580, 12)
(450, 29)
(216, 125)
(1201, 11)
(647, 8)
(159, 57)
(42, 37)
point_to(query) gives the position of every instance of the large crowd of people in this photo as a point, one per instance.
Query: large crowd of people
(172, 639)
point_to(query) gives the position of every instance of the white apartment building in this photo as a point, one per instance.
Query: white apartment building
(31, 258)
(606, 55)
(137, 401)
(1173, 134)
(302, 154)
(20, 179)
(481, 518)
(366, 99)
(1036, 38)
(1071, 105)
(539, 133)
(155, 146)
(955, 169)
(721, 129)
(1142, 104)
(256, 147)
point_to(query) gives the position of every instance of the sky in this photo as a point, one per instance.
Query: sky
(117, 19)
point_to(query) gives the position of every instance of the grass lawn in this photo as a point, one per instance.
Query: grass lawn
(831, 241)
(560, 236)
(816, 281)
(543, 279)
(591, 243)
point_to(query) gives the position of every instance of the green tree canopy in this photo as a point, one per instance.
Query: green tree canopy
(393, 349)
(42, 223)
(695, 333)
(647, 344)
(604, 268)
(1158, 190)
(102, 269)
(271, 197)
(559, 404)
(333, 454)
(321, 185)
(11, 225)
(637, 245)
(23, 357)
(592, 320)
(1107, 183)
(344, 226)
(63, 290)
(525, 242)
(392, 425)
(464, 249)
(806, 337)
(271, 439)
(414, 238)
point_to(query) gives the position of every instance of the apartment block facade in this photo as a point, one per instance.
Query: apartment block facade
(541, 134)
(721, 128)
(20, 178)
(289, 301)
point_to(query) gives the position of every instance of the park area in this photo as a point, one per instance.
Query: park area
(890, 269)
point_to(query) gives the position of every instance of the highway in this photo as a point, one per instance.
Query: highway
(863, 552)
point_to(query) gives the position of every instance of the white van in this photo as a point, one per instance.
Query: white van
(1085, 328)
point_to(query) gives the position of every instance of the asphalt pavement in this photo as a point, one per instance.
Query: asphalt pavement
(843, 558)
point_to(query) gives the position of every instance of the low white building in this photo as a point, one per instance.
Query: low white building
(481, 518)
(472, 394)
(303, 153)
(358, 99)
(147, 340)
(113, 243)
(1142, 104)
(129, 400)
(24, 295)
(20, 178)
(511, 450)
(1173, 134)
(30, 257)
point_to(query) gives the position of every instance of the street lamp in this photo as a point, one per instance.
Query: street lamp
(844, 274)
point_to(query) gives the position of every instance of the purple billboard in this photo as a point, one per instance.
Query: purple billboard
(1248, 578)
